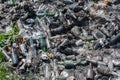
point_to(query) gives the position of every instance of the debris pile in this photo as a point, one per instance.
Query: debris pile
(61, 39)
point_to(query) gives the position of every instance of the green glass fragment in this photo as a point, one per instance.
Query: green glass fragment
(12, 3)
(43, 44)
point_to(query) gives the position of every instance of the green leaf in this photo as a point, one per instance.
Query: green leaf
(2, 57)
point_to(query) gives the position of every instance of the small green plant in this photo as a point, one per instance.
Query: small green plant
(6, 38)
(9, 36)
(3, 68)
